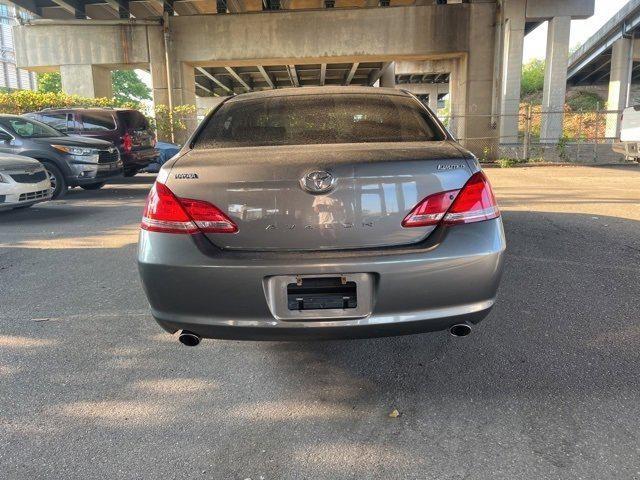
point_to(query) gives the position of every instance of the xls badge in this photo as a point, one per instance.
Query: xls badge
(186, 176)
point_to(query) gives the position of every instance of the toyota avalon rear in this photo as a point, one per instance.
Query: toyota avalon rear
(320, 213)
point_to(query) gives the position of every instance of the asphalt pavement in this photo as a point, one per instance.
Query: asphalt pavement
(547, 387)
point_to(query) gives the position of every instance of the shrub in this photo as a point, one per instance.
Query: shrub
(532, 77)
(23, 101)
(182, 119)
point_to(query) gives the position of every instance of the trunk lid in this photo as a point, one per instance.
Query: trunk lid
(376, 186)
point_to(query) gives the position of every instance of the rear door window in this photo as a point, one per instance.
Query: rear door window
(133, 120)
(59, 121)
(98, 121)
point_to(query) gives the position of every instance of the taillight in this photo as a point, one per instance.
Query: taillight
(475, 202)
(127, 142)
(430, 210)
(164, 212)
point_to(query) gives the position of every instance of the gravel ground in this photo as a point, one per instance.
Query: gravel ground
(546, 387)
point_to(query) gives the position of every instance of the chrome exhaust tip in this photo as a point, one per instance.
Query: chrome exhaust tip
(460, 330)
(188, 338)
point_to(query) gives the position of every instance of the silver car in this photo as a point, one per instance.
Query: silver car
(23, 182)
(312, 213)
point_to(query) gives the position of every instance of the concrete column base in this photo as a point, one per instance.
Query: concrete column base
(86, 80)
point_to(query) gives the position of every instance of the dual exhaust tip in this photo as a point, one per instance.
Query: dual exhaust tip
(191, 339)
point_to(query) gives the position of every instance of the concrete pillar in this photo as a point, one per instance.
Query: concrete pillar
(86, 80)
(433, 99)
(618, 83)
(555, 79)
(471, 86)
(158, 68)
(388, 78)
(512, 48)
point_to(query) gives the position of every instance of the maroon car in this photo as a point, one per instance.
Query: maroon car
(128, 130)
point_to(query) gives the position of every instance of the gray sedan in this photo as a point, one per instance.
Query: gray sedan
(320, 213)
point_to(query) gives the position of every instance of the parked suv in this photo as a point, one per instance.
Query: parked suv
(128, 130)
(70, 161)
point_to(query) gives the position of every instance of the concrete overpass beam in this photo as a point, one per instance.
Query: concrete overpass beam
(388, 78)
(86, 80)
(618, 83)
(513, 43)
(555, 79)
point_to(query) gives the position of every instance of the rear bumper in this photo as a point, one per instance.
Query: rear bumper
(138, 159)
(221, 294)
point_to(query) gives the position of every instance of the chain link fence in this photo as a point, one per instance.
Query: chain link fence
(536, 136)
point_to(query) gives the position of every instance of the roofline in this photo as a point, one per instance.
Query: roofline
(318, 90)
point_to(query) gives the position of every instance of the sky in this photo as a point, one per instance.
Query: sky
(535, 43)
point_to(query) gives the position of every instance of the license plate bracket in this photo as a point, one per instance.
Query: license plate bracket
(323, 296)
(322, 293)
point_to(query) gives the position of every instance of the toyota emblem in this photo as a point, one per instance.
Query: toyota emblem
(318, 182)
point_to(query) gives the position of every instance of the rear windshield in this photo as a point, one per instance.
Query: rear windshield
(98, 121)
(133, 120)
(318, 119)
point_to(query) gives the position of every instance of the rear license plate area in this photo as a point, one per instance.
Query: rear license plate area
(322, 293)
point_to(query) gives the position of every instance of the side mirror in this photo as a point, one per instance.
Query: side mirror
(5, 137)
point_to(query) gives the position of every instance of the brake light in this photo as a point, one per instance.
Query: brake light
(430, 210)
(127, 142)
(475, 202)
(164, 212)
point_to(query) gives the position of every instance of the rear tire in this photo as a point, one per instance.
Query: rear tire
(93, 186)
(130, 173)
(58, 182)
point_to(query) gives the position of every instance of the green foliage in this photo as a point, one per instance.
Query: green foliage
(49, 82)
(508, 162)
(23, 101)
(127, 86)
(532, 77)
(585, 101)
(182, 119)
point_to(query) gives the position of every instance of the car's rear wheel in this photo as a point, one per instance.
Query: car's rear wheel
(58, 182)
(130, 172)
(93, 186)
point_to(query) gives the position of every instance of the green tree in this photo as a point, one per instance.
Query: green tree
(127, 86)
(532, 77)
(49, 82)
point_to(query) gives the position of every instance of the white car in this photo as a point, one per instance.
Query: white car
(23, 182)
(629, 143)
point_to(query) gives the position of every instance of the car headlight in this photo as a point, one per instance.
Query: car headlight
(76, 151)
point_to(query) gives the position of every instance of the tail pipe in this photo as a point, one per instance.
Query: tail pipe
(460, 330)
(188, 338)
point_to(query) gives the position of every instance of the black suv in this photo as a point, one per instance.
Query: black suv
(70, 161)
(127, 129)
